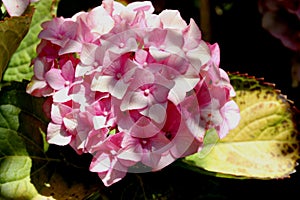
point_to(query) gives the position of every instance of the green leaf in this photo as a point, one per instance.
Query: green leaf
(265, 144)
(40, 172)
(19, 142)
(19, 65)
(9, 117)
(211, 138)
(15, 164)
(14, 93)
(12, 31)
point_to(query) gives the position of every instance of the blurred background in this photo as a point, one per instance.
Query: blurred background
(247, 46)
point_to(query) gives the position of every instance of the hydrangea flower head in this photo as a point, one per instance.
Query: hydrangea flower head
(135, 89)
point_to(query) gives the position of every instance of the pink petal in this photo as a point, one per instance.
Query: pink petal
(181, 142)
(100, 163)
(119, 89)
(102, 26)
(232, 114)
(199, 56)
(88, 51)
(68, 71)
(40, 68)
(158, 54)
(144, 6)
(141, 56)
(70, 123)
(144, 128)
(102, 83)
(156, 112)
(56, 115)
(134, 100)
(99, 122)
(71, 46)
(151, 159)
(192, 35)
(58, 111)
(131, 152)
(172, 19)
(113, 175)
(182, 85)
(165, 160)
(35, 85)
(55, 79)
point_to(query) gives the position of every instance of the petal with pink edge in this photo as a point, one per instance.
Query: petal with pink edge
(55, 79)
(57, 135)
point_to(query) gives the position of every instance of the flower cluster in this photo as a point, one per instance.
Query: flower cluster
(135, 89)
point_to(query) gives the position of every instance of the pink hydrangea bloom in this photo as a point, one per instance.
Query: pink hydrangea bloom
(135, 89)
(17, 7)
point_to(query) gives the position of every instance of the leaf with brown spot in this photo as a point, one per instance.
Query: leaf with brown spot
(265, 144)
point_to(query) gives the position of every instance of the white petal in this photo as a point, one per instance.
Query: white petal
(56, 135)
(132, 101)
(199, 56)
(62, 95)
(102, 83)
(158, 54)
(172, 19)
(15, 7)
(99, 122)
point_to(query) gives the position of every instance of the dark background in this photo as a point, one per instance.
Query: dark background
(245, 47)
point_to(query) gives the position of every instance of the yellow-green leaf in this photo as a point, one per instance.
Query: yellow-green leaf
(210, 140)
(265, 144)
(12, 31)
